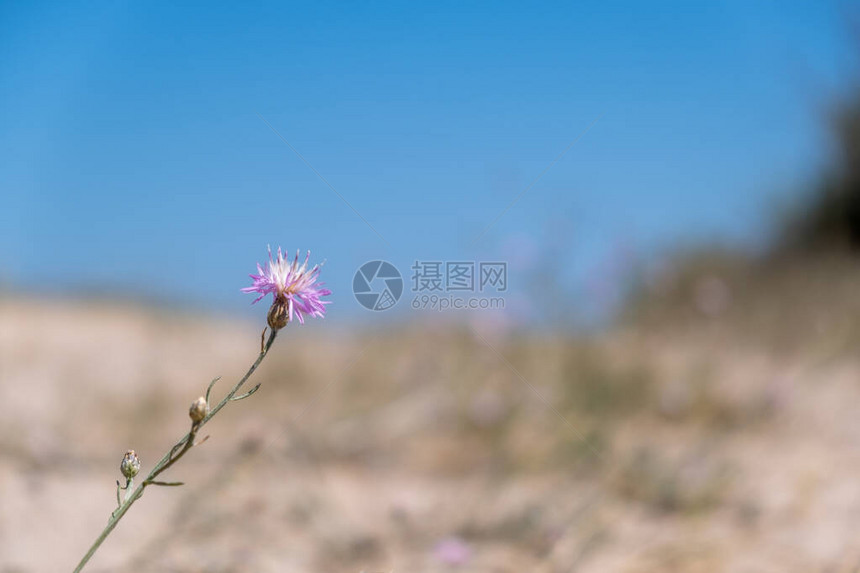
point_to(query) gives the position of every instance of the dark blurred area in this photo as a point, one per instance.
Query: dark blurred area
(828, 218)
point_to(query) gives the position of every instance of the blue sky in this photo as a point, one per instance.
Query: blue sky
(135, 156)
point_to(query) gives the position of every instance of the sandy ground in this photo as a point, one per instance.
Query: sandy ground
(427, 448)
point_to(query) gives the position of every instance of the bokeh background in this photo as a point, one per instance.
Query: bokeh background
(671, 385)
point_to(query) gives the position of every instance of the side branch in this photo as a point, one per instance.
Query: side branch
(177, 451)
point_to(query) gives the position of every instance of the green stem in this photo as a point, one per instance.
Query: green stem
(177, 451)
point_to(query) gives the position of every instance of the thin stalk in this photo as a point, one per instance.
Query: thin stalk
(177, 451)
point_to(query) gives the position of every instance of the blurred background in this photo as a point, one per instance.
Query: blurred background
(666, 382)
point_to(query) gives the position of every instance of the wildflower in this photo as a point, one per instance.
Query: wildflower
(199, 409)
(130, 464)
(294, 287)
(452, 551)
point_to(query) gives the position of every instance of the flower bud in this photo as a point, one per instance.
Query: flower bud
(130, 464)
(199, 409)
(279, 314)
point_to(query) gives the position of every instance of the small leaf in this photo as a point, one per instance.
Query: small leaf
(209, 389)
(246, 394)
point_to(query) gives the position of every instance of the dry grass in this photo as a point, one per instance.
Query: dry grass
(692, 445)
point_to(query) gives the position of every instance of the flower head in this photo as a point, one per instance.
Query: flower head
(198, 410)
(294, 287)
(130, 464)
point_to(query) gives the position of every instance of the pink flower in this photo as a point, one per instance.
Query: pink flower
(452, 551)
(291, 284)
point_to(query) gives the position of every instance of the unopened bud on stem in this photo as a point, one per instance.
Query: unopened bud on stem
(130, 464)
(199, 409)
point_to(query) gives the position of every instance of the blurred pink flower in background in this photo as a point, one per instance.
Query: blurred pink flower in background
(452, 551)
